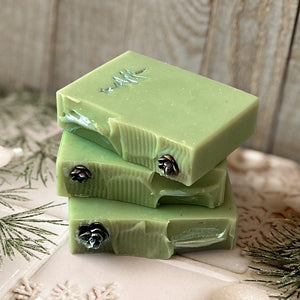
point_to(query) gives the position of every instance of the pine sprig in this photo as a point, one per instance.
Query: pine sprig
(34, 166)
(19, 234)
(23, 115)
(6, 172)
(23, 111)
(277, 259)
(13, 194)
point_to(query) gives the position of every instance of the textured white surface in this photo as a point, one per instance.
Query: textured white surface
(240, 291)
(230, 260)
(135, 277)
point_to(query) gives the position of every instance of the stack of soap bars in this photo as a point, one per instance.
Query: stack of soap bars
(143, 158)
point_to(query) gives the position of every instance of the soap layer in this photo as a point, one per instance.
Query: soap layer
(144, 109)
(98, 225)
(113, 178)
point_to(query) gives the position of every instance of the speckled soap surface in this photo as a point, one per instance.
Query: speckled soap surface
(172, 121)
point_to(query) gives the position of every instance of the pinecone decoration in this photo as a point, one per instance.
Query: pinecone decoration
(92, 236)
(168, 164)
(80, 173)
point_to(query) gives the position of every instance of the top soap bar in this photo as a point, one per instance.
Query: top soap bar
(153, 114)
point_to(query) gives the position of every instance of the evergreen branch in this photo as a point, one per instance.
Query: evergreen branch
(7, 172)
(34, 212)
(12, 194)
(34, 166)
(33, 111)
(15, 229)
(278, 258)
(18, 234)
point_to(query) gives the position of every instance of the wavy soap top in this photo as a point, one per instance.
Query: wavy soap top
(170, 120)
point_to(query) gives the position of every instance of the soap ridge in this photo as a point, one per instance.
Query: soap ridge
(116, 179)
(155, 233)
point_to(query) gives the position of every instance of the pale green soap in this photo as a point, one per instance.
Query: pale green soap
(114, 178)
(153, 233)
(143, 109)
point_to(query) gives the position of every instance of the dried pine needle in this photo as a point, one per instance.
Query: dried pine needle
(277, 260)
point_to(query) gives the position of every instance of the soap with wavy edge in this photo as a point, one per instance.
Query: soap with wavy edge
(113, 178)
(144, 109)
(98, 225)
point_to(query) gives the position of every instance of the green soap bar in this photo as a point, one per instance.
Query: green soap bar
(98, 225)
(179, 124)
(113, 178)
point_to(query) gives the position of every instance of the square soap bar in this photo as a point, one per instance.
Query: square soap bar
(85, 169)
(177, 123)
(98, 225)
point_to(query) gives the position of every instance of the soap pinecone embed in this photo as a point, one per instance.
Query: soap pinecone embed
(80, 173)
(92, 236)
(168, 164)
